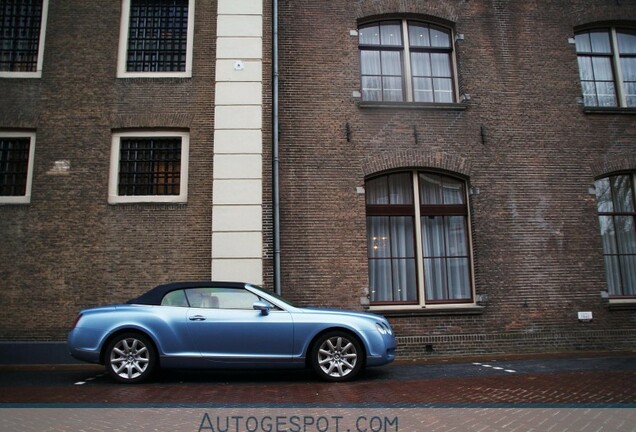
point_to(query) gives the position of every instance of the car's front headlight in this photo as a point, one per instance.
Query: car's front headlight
(383, 328)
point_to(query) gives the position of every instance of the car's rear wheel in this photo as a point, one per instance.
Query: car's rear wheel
(130, 358)
(337, 356)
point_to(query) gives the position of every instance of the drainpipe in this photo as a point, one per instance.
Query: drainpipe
(275, 174)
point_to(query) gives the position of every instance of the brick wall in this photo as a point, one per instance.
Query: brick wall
(522, 139)
(537, 252)
(68, 248)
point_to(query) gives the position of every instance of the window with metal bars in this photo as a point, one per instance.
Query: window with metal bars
(149, 166)
(14, 165)
(157, 36)
(20, 29)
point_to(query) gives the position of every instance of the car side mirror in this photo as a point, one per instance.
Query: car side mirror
(261, 306)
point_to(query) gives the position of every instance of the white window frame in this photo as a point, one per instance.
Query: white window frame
(38, 71)
(26, 198)
(113, 181)
(123, 47)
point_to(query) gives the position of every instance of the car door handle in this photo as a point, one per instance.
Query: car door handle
(197, 318)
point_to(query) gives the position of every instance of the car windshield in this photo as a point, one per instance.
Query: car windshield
(273, 294)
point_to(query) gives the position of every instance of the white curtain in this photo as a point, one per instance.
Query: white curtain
(392, 275)
(615, 202)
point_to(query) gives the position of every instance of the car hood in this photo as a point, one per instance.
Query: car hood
(342, 312)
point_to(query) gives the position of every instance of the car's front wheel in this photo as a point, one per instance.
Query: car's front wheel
(130, 358)
(337, 356)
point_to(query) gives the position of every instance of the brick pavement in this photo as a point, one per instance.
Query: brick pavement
(580, 387)
(403, 397)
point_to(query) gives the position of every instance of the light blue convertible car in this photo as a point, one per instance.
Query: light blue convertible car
(227, 325)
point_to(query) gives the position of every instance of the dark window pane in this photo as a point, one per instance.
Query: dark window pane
(14, 165)
(20, 22)
(150, 166)
(157, 36)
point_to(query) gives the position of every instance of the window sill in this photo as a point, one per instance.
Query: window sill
(609, 110)
(7, 74)
(414, 105)
(430, 311)
(623, 304)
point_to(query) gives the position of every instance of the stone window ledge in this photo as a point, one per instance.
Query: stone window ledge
(431, 311)
(414, 105)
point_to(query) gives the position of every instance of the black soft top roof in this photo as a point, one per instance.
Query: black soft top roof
(155, 295)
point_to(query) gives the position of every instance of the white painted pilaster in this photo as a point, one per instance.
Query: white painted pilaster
(237, 227)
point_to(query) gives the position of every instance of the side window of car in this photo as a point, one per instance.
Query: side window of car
(202, 298)
(175, 298)
(222, 298)
(235, 298)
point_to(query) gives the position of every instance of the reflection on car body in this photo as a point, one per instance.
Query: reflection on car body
(227, 325)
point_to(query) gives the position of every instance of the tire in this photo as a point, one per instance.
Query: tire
(130, 358)
(337, 356)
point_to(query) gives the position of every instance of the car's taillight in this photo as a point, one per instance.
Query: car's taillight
(79, 317)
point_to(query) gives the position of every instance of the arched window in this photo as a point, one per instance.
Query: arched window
(404, 60)
(607, 67)
(615, 198)
(418, 240)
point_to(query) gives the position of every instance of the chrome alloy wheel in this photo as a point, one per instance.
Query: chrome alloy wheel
(130, 358)
(337, 356)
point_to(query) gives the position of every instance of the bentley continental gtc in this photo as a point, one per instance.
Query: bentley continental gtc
(225, 325)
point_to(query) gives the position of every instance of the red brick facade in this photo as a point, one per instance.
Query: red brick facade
(521, 138)
(518, 134)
